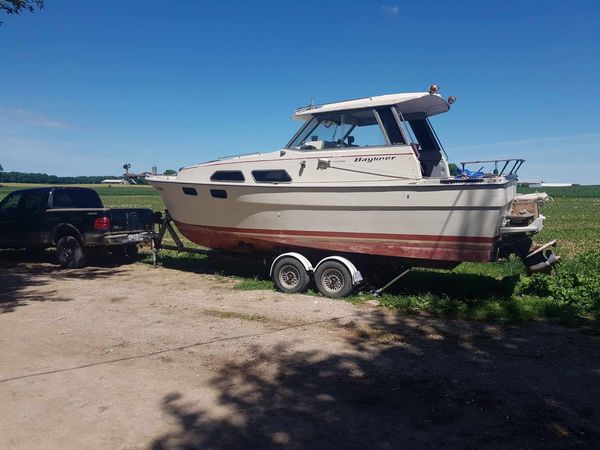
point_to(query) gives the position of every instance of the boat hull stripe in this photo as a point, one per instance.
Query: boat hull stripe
(417, 247)
(342, 235)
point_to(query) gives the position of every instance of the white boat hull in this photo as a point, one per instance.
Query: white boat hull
(426, 221)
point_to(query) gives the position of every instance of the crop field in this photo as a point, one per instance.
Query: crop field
(498, 291)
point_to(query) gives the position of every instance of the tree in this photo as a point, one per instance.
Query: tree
(1, 168)
(18, 6)
(170, 172)
(453, 169)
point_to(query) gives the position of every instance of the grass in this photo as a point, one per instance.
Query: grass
(250, 284)
(236, 315)
(491, 291)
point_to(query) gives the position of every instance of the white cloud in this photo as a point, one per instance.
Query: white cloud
(30, 118)
(390, 9)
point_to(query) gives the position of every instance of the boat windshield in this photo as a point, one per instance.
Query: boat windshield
(356, 128)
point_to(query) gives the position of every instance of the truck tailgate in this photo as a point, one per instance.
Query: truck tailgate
(130, 219)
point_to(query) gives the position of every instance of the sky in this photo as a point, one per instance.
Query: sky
(87, 86)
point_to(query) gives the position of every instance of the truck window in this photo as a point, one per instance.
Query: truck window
(11, 202)
(76, 198)
(31, 202)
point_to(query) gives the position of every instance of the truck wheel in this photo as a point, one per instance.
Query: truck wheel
(70, 252)
(289, 275)
(333, 279)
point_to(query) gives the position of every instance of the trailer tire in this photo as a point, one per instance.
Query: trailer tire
(70, 253)
(290, 275)
(333, 279)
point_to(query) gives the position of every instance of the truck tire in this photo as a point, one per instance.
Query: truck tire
(333, 279)
(70, 253)
(289, 275)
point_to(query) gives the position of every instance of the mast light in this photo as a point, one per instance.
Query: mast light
(434, 89)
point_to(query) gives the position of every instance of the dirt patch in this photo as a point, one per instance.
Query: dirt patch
(157, 358)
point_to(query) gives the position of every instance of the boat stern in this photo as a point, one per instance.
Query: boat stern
(522, 222)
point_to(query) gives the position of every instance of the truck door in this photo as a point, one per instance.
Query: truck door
(31, 210)
(9, 220)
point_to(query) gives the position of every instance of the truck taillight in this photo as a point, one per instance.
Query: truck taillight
(102, 223)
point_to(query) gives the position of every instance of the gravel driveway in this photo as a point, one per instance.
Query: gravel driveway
(134, 357)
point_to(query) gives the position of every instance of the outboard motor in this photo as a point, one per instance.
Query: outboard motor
(541, 259)
(524, 220)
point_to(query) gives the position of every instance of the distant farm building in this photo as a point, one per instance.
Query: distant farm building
(541, 183)
(119, 181)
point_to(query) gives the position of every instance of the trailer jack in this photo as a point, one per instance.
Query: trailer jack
(165, 224)
(377, 292)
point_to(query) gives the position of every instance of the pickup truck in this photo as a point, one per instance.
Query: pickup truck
(73, 220)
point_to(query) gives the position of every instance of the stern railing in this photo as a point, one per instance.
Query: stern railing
(502, 167)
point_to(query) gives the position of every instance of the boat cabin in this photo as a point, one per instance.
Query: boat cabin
(383, 121)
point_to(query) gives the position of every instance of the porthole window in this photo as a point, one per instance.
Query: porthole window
(218, 193)
(189, 191)
(271, 176)
(228, 175)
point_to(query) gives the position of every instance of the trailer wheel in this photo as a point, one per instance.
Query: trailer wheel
(70, 253)
(289, 275)
(333, 279)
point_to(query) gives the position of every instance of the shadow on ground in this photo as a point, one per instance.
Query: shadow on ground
(404, 383)
(20, 271)
(214, 263)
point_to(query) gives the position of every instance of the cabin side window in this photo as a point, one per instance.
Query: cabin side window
(341, 129)
(427, 147)
(228, 175)
(424, 135)
(391, 127)
(271, 176)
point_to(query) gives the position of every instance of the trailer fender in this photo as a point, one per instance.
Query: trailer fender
(301, 258)
(356, 275)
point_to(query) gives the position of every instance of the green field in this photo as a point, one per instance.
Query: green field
(112, 195)
(493, 291)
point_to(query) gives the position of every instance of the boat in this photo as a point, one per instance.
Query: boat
(363, 178)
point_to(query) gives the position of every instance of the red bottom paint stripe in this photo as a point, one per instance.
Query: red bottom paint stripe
(445, 248)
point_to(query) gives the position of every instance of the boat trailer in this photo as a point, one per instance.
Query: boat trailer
(334, 269)
(335, 275)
